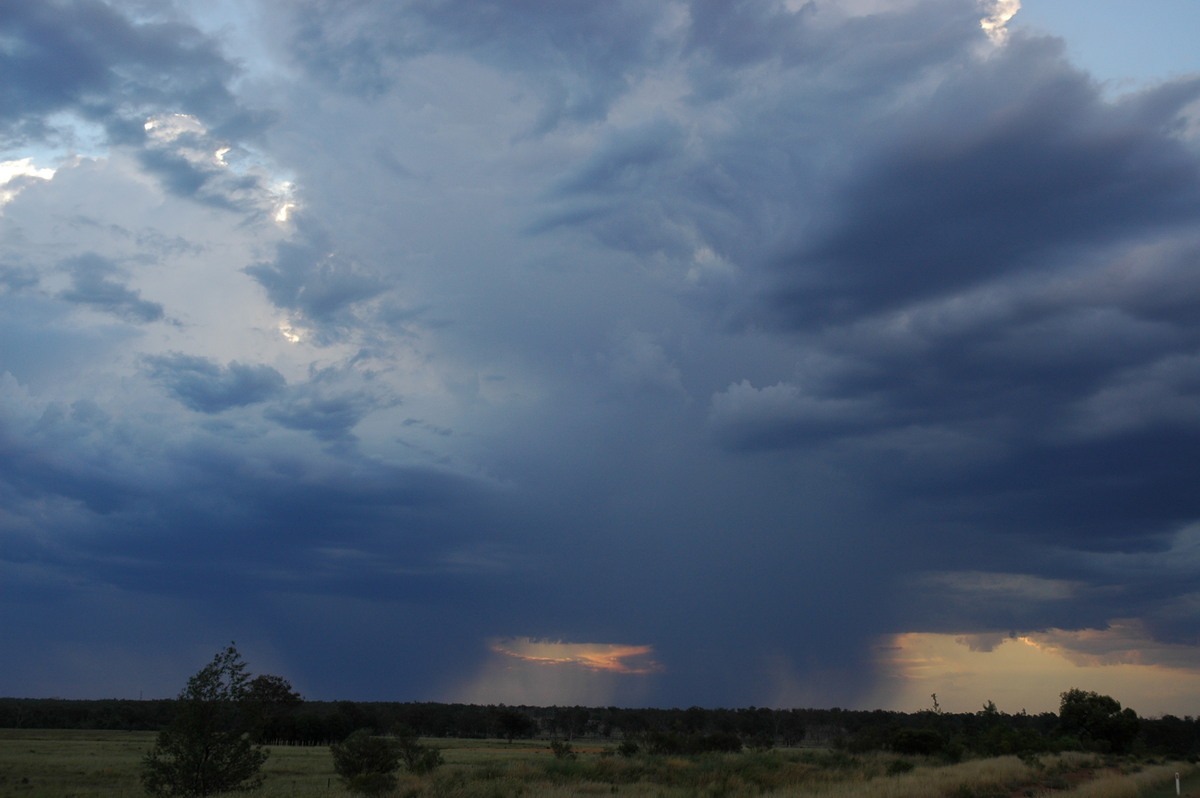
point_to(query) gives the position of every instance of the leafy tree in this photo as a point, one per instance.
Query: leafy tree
(208, 747)
(272, 691)
(271, 699)
(1098, 719)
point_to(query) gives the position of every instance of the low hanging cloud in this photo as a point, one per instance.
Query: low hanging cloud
(310, 277)
(208, 387)
(92, 286)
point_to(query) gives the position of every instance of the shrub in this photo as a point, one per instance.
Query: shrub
(367, 764)
(628, 748)
(418, 758)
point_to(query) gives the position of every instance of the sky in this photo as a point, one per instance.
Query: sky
(691, 353)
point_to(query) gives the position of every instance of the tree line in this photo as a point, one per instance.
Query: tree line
(300, 722)
(213, 736)
(271, 712)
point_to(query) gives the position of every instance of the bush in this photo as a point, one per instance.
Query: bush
(418, 758)
(367, 764)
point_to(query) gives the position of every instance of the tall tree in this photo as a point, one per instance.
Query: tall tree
(209, 746)
(1098, 720)
(271, 700)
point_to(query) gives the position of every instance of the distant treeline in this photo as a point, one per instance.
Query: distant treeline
(951, 735)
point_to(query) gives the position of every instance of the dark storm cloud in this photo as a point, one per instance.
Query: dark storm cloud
(91, 285)
(85, 58)
(738, 34)
(208, 387)
(211, 184)
(141, 513)
(330, 403)
(788, 330)
(308, 275)
(963, 278)
(942, 241)
(16, 279)
(49, 457)
(615, 193)
(327, 417)
(963, 194)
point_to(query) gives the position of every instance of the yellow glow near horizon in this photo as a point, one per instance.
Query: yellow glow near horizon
(1031, 671)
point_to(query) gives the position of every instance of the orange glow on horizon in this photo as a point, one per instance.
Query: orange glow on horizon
(611, 657)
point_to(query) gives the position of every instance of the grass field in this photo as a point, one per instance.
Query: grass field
(81, 764)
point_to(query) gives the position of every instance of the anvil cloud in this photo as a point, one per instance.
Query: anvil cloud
(749, 352)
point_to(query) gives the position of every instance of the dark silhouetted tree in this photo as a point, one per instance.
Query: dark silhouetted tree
(1098, 720)
(209, 746)
(510, 724)
(271, 699)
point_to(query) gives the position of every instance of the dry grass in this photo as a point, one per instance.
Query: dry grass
(106, 765)
(1117, 784)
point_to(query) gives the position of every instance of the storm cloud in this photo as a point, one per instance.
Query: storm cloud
(689, 353)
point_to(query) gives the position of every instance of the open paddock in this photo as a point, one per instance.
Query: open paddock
(106, 764)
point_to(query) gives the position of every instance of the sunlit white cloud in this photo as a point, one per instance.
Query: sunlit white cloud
(999, 12)
(16, 175)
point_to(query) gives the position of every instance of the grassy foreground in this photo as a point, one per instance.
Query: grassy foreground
(60, 764)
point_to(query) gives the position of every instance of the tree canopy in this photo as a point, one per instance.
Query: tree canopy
(211, 744)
